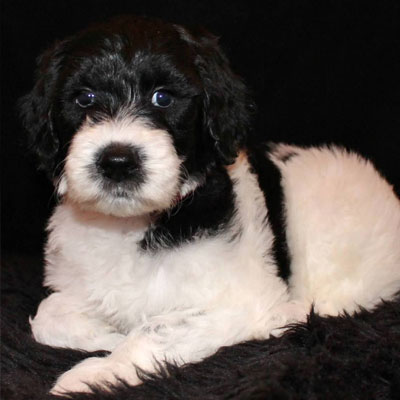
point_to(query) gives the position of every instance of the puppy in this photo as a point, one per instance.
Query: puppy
(161, 249)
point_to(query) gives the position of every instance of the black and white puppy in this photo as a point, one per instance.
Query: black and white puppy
(161, 248)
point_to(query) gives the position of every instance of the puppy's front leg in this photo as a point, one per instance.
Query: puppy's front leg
(178, 337)
(61, 321)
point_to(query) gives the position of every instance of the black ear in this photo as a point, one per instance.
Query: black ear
(228, 107)
(35, 109)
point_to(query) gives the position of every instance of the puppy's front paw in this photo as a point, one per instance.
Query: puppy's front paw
(95, 371)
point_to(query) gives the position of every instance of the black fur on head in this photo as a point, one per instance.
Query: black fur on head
(219, 113)
(227, 105)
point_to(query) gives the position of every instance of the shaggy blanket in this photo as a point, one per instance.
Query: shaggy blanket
(326, 358)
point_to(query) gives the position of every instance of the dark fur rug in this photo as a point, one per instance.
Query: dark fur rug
(326, 358)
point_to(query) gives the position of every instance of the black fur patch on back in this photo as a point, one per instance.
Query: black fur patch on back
(207, 211)
(269, 178)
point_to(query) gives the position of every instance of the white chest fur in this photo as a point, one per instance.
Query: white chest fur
(97, 259)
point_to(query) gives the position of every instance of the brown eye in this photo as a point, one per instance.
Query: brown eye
(85, 99)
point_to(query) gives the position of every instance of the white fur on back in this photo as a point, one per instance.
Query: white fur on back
(343, 229)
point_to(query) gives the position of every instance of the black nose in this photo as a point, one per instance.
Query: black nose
(118, 162)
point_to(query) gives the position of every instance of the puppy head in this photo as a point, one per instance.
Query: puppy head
(128, 116)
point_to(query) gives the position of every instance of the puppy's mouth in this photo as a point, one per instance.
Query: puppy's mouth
(117, 191)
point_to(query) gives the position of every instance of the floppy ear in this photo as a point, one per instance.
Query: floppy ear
(228, 107)
(35, 109)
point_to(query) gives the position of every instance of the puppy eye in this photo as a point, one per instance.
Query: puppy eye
(85, 99)
(162, 99)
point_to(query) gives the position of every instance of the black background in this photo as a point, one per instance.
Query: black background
(321, 72)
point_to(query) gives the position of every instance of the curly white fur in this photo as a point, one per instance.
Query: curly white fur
(343, 229)
(176, 305)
